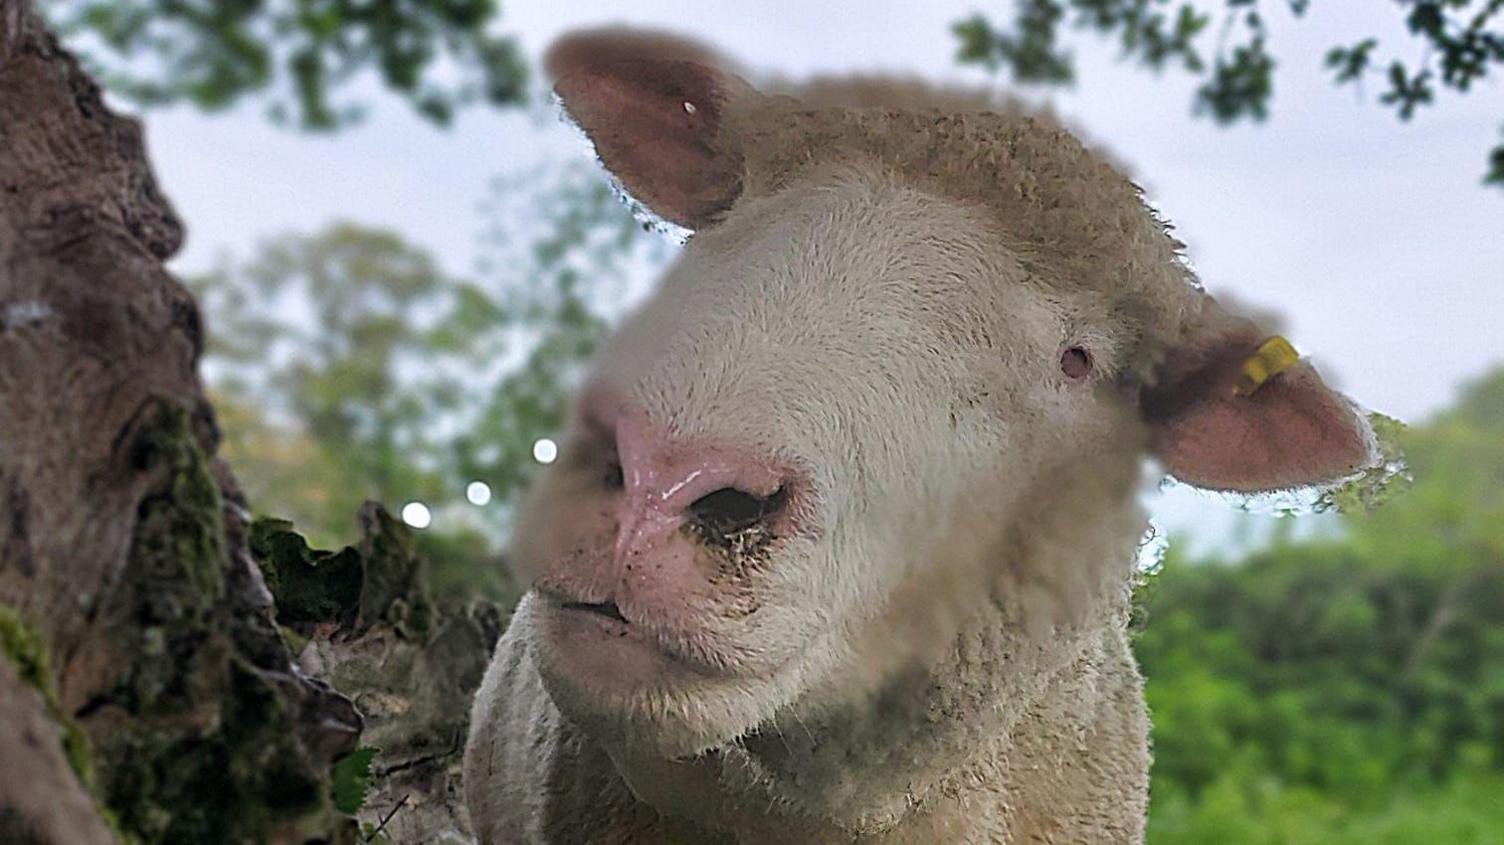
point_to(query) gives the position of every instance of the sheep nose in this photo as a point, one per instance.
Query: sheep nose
(668, 484)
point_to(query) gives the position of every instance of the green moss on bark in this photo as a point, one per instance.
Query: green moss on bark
(236, 782)
(176, 572)
(25, 649)
(310, 586)
(28, 652)
(180, 540)
(377, 582)
(215, 748)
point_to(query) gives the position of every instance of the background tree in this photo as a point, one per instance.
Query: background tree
(349, 366)
(1230, 51)
(438, 56)
(326, 333)
(1350, 689)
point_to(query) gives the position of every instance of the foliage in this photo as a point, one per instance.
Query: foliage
(1243, 808)
(1454, 515)
(438, 56)
(1376, 485)
(348, 366)
(1462, 40)
(350, 779)
(323, 336)
(1347, 690)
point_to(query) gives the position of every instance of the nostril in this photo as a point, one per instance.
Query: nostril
(598, 453)
(613, 477)
(729, 511)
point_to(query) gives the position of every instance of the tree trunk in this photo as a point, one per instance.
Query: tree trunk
(165, 693)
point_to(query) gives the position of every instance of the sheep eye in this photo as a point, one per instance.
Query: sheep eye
(1075, 362)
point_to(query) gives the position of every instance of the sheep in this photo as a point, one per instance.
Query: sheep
(842, 538)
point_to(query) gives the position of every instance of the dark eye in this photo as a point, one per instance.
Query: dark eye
(1075, 362)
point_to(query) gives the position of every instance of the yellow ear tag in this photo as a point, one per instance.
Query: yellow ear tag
(1273, 357)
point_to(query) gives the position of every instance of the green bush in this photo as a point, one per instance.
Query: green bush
(1349, 689)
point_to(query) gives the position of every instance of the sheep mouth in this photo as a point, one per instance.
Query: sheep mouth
(588, 626)
(608, 609)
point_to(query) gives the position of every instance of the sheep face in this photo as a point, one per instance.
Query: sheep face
(859, 386)
(828, 387)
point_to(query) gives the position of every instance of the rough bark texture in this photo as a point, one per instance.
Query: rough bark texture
(44, 799)
(122, 539)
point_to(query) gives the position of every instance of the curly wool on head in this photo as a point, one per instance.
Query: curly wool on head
(1066, 212)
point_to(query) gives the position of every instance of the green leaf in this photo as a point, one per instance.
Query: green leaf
(351, 778)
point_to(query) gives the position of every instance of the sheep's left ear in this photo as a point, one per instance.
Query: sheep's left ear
(1236, 409)
(654, 106)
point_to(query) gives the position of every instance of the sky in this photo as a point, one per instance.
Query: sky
(1373, 238)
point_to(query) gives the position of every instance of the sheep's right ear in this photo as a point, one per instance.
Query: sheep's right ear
(1237, 410)
(653, 106)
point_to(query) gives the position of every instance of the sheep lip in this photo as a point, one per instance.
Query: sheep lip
(594, 625)
(608, 609)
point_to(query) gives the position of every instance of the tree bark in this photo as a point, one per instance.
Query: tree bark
(123, 540)
(41, 798)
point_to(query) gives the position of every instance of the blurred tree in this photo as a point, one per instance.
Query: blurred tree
(286, 472)
(1351, 689)
(324, 335)
(1454, 515)
(347, 365)
(1461, 40)
(438, 56)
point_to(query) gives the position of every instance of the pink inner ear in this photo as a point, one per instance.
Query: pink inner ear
(1292, 432)
(656, 126)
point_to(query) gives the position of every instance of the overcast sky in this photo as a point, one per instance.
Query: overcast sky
(1374, 238)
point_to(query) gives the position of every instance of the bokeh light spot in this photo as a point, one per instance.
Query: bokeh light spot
(417, 515)
(545, 451)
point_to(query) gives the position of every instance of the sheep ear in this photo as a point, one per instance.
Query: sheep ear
(653, 106)
(1234, 409)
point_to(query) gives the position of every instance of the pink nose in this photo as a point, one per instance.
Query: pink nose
(669, 485)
